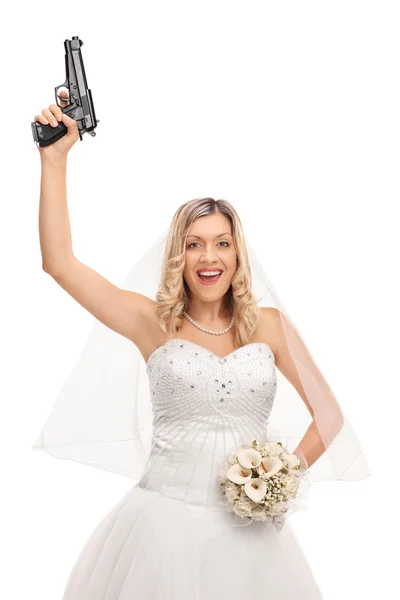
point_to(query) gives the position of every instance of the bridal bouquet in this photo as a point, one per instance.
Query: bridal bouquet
(261, 482)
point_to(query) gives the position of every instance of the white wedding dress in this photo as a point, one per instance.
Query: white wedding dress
(169, 537)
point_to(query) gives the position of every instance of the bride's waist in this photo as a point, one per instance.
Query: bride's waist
(187, 469)
(187, 463)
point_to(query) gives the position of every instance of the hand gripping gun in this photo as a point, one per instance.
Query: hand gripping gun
(80, 105)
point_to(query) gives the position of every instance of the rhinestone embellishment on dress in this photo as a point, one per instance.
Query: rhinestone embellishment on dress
(215, 390)
(203, 405)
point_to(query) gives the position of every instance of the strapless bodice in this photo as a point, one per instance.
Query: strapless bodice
(204, 407)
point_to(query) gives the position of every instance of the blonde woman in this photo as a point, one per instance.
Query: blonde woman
(213, 357)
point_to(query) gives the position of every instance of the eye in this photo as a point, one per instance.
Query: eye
(223, 242)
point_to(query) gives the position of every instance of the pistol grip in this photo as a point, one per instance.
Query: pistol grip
(47, 134)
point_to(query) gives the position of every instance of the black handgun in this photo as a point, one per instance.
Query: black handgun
(80, 105)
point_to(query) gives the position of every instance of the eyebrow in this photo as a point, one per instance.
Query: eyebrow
(217, 236)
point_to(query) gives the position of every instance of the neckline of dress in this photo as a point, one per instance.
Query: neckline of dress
(207, 350)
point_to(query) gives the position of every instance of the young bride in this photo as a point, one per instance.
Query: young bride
(214, 361)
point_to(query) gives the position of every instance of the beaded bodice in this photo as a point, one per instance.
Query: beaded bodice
(204, 407)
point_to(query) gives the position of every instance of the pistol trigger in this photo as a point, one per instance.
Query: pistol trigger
(62, 88)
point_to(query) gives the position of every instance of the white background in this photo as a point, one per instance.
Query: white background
(289, 110)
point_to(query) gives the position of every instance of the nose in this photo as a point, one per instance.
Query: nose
(208, 254)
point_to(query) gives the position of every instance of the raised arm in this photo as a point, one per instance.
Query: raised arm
(123, 311)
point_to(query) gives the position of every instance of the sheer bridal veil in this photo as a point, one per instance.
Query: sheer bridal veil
(103, 414)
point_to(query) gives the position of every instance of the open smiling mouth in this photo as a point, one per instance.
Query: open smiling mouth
(209, 279)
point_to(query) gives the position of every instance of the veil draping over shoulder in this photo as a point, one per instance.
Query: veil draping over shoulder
(103, 414)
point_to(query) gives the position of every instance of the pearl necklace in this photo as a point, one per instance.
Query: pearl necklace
(209, 330)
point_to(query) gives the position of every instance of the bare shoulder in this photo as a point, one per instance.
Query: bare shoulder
(270, 316)
(270, 326)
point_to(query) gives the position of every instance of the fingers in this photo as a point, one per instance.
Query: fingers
(64, 98)
(47, 117)
(41, 119)
(52, 114)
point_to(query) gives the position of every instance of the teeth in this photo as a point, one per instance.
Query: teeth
(209, 272)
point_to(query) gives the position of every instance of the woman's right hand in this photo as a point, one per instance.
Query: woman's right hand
(53, 115)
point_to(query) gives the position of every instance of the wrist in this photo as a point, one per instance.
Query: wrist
(53, 160)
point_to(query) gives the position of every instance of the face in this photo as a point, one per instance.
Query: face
(209, 246)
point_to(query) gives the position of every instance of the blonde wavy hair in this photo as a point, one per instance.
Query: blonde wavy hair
(173, 295)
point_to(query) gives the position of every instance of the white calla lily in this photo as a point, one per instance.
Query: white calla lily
(269, 466)
(238, 474)
(255, 489)
(249, 458)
